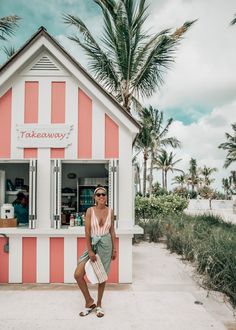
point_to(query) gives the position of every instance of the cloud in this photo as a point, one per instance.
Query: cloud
(204, 72)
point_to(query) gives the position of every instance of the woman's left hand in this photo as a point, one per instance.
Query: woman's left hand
(113, 256)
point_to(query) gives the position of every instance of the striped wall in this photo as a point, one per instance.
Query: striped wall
(97, 133)
(45, 260)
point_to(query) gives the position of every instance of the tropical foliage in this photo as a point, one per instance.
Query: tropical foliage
(229, 184)
(8, 24)
(152, 137)
(193, 177)
(230, 146)
(151, 207)
(127, 60)
(206, 172)
(207, 241)
(199, 179)
(165, 162)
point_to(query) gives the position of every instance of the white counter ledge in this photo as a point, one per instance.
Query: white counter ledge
(70, 231)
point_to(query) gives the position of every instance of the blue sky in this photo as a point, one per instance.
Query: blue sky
(36, 13)
(200, 89)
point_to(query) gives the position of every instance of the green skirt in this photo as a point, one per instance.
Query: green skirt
(101, 245)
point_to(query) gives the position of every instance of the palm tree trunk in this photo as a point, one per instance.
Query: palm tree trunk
(139, 180)
(192, 187)
(151, 175)
(127, 98)
(163, 181)
(166, 180)
(144, 173)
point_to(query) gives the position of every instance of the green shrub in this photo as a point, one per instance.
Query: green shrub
(149, 213)
(152, 207)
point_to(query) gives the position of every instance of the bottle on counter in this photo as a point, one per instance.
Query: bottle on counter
(77, 220)
(82, 220)
(72, 220)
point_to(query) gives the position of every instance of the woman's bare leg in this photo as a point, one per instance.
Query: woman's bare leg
(101, 287)
(79, 277)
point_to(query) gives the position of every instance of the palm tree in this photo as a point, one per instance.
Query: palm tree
(206, 172)
(193, 178)
(180, 179)
(127, 61)
(7, 28)
(158, 132)
(165, 162)
(142, 144)
(226, 186)
(232, 181)
(230, 146)
(137, 170)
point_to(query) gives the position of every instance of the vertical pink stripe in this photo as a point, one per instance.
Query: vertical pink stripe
(58, 97)
(81, 246)
(5, 124)
(84, 125)
(30, 152)
(4, 262)
(29, 260)
(57, 260)
(31, 111)
(111, 138)
(113, 276)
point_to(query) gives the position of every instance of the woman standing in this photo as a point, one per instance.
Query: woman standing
(100, 239)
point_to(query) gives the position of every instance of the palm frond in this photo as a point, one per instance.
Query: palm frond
(233, 20)
(8, 25)
(100, 64)
(179, 32)
(171, 141)
(133, 61)
(9, 51)
(150, 72)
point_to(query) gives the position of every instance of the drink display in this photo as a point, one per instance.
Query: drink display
(85, 198)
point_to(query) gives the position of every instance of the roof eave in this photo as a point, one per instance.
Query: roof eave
(42, 31)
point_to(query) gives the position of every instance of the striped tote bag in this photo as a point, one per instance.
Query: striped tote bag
(99, 270)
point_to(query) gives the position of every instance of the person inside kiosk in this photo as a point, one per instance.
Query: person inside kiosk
(21, 208)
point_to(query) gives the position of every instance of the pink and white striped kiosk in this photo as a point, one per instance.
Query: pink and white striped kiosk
(61, 134)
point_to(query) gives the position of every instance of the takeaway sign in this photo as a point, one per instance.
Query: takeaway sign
(44, 136)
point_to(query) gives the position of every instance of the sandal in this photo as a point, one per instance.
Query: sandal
(87, 310)
(99, 312)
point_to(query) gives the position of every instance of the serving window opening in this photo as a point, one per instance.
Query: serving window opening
(17, 193)
(73, 188)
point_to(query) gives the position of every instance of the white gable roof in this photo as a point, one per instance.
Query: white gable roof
(42, 51)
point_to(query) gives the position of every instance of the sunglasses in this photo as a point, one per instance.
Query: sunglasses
(102, 194)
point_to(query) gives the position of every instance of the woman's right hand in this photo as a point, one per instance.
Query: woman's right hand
(92, 256)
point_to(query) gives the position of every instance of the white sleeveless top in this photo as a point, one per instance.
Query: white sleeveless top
(100, 230)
